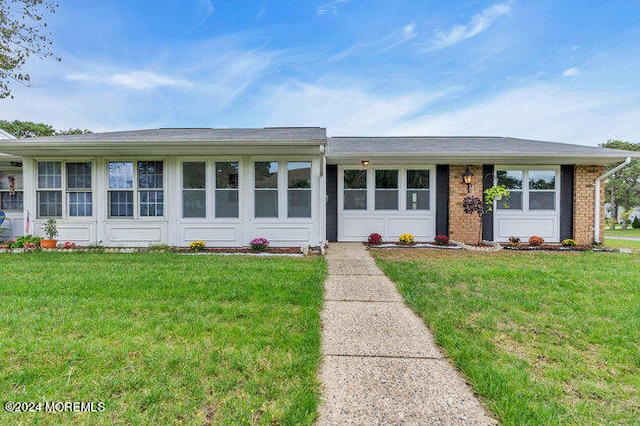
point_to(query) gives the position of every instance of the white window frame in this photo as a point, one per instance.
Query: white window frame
(402, 189)
(4, 173)
(283, 187)
(525, 189)
(136, 189)
(64, 189)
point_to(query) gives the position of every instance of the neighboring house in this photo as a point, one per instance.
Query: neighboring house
(295, 186)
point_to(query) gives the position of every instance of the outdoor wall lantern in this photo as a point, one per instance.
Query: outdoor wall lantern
(364, 163)
(466, 178)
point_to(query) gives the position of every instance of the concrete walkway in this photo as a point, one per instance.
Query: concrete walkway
(381, 365)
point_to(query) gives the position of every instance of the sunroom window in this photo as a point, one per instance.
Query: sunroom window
(11, 195)
(386, 190)
(49, 191)
(194, 193)
(299, 189)
(227, 174)
(146, 189)
(266, 189)
(79, 196)
(355, 189)
(418, 190)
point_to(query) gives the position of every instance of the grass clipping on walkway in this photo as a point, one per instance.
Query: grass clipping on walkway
(161, 338)
(545, 338)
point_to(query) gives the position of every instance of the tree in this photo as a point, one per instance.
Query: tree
(28, 129)
(22, 34)
(74, 132)
(623, 187)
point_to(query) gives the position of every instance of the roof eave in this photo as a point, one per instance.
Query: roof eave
(30, 149)
(476, 158)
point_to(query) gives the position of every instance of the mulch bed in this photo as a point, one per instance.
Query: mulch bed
(270, 250)
(417, 244)
(546, 247)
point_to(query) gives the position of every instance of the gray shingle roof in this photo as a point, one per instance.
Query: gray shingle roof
(467, 148)
(268, 134)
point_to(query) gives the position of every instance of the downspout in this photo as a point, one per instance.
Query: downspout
(596, 219)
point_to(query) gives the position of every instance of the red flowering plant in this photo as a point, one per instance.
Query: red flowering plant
(374, 238)
(441, 240)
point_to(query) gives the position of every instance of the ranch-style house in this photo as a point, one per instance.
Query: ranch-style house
(296, 186)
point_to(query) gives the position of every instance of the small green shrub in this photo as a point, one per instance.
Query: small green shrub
(25, 241)
(636, 222)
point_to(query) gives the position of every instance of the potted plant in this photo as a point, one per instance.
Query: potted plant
(51, 231)
(496, 192)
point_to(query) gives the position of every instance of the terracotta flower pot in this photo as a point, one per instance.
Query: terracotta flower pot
(48, 243)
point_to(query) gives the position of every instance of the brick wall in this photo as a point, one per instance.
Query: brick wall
(583, 203)
(463, 227)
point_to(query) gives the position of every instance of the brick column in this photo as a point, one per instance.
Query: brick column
(463, 227)
(583, 203)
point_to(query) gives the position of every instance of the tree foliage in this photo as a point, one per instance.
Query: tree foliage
(28, 129)
(623, 187)
(22, 34)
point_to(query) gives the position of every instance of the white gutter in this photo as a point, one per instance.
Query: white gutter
(596, 219)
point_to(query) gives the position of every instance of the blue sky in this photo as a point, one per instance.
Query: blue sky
(557, 70)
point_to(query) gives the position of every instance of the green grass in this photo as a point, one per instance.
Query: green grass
(161, 338)
(613, 243)
(544, 338)
(629, 232)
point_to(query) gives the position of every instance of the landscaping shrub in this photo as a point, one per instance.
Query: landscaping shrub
(259, 244)
(535, 241)
(442, 240)
(374, 238)
(569, 243)
(26, 241)
(405, 239)
(636, 222)
(197, 245)
(514, 242)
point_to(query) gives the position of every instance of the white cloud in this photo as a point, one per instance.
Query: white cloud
(331, 7)
(351, 111)
(479, 23)
(540, 111)
(207, 8)
(136, 80)
(406, 33)
(262, 11)
(395, 39)
(571, 72)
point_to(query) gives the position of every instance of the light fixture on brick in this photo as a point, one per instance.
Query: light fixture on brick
(466, 178)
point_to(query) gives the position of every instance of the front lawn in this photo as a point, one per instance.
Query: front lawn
(544, 338)
(629, 232)
(618, 244)
(161, 338)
